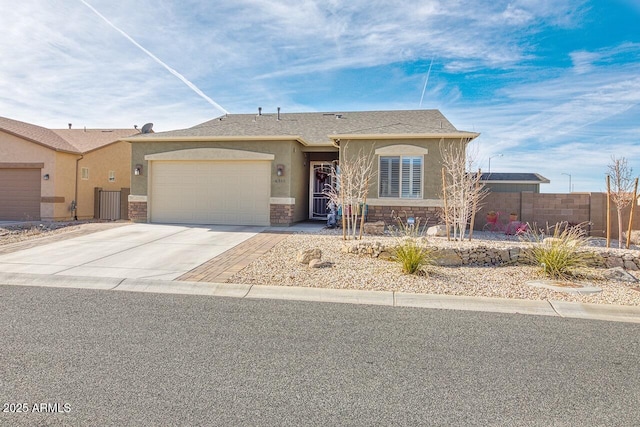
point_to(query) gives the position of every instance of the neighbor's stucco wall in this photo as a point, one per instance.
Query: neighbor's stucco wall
(115, 157)
(500, 187)
(17, 150)
(64, 180)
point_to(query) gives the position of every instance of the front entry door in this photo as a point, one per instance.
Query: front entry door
(321, 180)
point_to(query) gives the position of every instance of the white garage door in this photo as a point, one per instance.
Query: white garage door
(210, 192)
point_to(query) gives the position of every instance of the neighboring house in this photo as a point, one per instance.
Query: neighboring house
(271, 169)
(513, 182)
(52, 174)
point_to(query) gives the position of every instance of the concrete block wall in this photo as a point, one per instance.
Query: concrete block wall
(551, 208)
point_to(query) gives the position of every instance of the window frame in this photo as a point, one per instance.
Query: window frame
(401, 158)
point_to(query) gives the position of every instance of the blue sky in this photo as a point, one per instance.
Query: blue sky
(552, 85)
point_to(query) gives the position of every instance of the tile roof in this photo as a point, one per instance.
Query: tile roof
(318, 128)
(514, 176)
(76, 141)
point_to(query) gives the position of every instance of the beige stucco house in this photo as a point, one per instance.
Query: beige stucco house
(271, 169)
(52, 174)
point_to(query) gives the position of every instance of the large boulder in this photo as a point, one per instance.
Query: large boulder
(374, 228)
(619, 274)
(635, 236)
(437, 231)
(305, 256)
(448, 257)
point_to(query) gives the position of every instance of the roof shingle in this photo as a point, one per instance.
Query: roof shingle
(318, 128)
(76, 141)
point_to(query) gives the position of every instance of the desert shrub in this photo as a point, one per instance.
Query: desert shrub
(412, 257)
(403, 227)
(560, 254)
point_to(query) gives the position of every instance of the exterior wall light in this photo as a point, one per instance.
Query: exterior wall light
(280, 170)
(138, 170)
(45, 177)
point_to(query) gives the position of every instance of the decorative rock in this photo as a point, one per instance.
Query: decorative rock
(613, 262)
(374, 228)
(437, 231)
(316, 263)
(630, 265)
(304, 257)
(635, 236)
(373, 249)
(618, 273)
(447, 257)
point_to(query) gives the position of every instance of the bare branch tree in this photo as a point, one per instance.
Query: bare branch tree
(352, 178)
(461, 186)
(621, 188)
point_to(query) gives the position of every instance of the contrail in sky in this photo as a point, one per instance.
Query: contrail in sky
(155, 58)
(425, 83)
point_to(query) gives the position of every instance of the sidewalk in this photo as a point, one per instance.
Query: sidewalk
(613, 313)
(206, 280)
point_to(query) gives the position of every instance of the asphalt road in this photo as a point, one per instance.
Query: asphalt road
(120, 358)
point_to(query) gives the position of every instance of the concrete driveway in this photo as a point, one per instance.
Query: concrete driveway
(135, 251)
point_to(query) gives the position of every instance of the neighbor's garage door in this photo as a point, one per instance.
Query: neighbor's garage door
(19, 194)
(210, 192)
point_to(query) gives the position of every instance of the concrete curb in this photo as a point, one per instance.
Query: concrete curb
(495, 305)
(348, 296)
(51, 281)
(188, 288)
(615, 313)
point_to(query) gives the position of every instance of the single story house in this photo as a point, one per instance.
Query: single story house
(272, 169)
(52, 174)
(513, 182)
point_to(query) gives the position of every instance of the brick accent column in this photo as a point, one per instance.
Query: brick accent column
(281, 214)
(138, 211)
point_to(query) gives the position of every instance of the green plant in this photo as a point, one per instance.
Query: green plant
(406, 226)
(561, 254)
(412, 257)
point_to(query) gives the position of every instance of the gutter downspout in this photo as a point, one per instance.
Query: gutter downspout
(75, 201)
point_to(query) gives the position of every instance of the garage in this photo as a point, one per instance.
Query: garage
(233, 189)
(20, 194)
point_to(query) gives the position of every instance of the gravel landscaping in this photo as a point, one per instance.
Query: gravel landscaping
(350, 271)
(279, 267)
(18, 232)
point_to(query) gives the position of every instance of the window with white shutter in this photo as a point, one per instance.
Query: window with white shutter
(389, 176)
(400, 176)
(411, 177)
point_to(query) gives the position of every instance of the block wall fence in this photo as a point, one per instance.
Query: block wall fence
(550, 208)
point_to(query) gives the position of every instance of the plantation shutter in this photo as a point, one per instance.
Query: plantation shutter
(389, 176)
(411, 177)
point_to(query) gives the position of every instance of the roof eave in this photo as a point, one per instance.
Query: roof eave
(463, 135)
(513, 182)
(219, 138)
